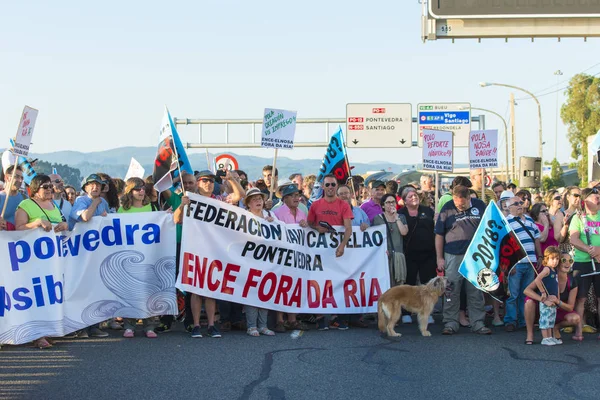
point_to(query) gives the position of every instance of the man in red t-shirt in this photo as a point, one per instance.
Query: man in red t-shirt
(332, 210)
(336, 212)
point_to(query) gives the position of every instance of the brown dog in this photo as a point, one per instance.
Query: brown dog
(417, 299)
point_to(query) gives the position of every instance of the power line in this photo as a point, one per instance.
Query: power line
(566, 80)
(558, 90)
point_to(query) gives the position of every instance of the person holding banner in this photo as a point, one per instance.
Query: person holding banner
(256, 318)
(584, 232)
(40, 211)
(59, 194)
(456, 225)
(206, 186)
(522, 274)
(91, 204)
(135, 200)
(11, 195)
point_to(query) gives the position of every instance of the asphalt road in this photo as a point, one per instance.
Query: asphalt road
(357, 363)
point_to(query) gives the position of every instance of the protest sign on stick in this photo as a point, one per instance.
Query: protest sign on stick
(278, 130)
(438, 150)
(483, 152)
(135, 170)
(22, 143)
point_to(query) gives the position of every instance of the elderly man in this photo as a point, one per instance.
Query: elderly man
(335, 212)
(455, 227)
(360, 217)
(477, 181)
(59, 195)
(90, 205)
(426, 183)
(522, 274)
(206, 186)
(373, 207)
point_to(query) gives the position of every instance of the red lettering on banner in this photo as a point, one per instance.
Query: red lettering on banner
(313, 300)
(375, 291)
(328, 298)
(186, 279)
(350, 292)
(213, 285)
(199, 272)
(363, 294)
(285, 284)
(228, 277)
(296, 296)
(251, 281)
(269, 277)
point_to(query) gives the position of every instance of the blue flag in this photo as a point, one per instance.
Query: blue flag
(334, 162)
(28, 171)
(494, 250)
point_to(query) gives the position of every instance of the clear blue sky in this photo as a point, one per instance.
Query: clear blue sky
(100, 73)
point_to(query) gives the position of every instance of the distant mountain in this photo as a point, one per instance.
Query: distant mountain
(115, 162)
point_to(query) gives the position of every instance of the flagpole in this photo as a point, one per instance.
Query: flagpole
(207, 159)
(273, 175)
(437, 183)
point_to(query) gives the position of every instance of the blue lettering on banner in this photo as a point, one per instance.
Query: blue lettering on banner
(112, 235)
(22, 298)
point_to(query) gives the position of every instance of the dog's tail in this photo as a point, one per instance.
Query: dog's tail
(383, 315)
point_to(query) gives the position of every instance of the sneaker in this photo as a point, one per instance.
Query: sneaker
(548, 342)
(162, 328)
(213, 332)
(128, 333)
(484, 331)
(196, 332)
(82, 334)
(190, 328)
(406, 319)
(557, 341)
(322, 324)
(337, 323)
(151, 335)
(96, 332)
(114, 325)
(430, 320)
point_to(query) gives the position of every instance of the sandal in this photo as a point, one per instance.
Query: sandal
(252, 332)
(42, 344)
(266, 332)
(529, 342)
(448, 331)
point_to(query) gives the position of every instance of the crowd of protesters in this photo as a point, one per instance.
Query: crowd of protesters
(422, 241)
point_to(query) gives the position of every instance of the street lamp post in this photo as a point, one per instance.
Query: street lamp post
(505, 135)
(558, 74)
(484, 84)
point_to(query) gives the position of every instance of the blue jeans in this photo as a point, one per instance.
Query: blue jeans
(515, 305)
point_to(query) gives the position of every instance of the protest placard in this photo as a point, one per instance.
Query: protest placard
(277, 266)
(135, 170)
(279, 128)
(483, 149)
(438, 151)
(25, 131)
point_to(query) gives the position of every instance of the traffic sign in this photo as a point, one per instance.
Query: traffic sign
(508, 9)
(378, 125)
(453, 117)
(226, 162)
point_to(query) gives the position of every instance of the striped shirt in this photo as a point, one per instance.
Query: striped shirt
(524, 238)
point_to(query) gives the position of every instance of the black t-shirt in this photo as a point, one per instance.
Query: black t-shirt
(459, 227)
(420, 237)
(571, 284)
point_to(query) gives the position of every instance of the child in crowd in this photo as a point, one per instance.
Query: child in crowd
(547, 284)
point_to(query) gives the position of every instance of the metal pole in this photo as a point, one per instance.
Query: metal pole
(558, 74)
(507, 171)
(513, 136)
(482, 127)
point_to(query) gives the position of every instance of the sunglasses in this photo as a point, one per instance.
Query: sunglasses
(525, 198)
(207, 180)
(544, 211)
(575, 195)
(47, 186)
(557, 198)
(58, 181)
(567, 260)
(137, 189)
(332, 184)
(517, 203)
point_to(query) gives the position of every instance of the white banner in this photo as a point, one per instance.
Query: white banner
(483, 149)
(25, 131)
(122, 265)
(135, 170)
(438, 150)
(229, 254)
(279, 128)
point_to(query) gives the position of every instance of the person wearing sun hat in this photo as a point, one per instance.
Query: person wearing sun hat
(91, 204)
(281, 185)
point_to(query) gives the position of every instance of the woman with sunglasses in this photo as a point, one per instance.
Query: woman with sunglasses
(571, 205)
(565, 302)
(39, 211)
(135, 200)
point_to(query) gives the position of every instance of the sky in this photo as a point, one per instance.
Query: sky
(101, 73)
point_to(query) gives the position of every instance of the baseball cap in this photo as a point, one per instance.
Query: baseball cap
(92, 178)
(507, 194)
(376, 184)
